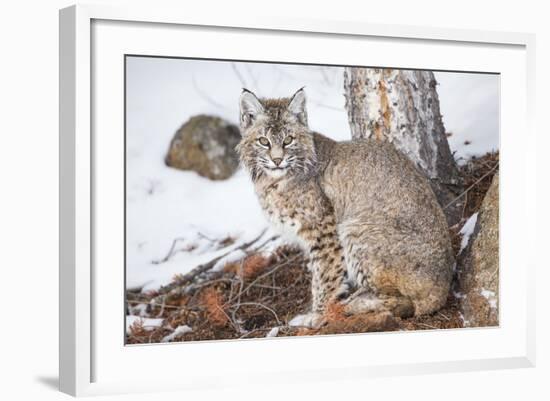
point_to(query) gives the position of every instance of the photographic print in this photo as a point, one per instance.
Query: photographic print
(277, 199)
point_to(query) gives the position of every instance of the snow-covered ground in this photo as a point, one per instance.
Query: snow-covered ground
(467, 230)
(470, 105)
(165, 204)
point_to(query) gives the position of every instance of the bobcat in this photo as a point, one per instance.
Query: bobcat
(376, 238)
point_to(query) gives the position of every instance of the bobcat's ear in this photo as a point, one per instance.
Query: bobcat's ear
(251, 107)
(297, 106)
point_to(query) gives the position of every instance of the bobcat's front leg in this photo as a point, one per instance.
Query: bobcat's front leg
(327, 266)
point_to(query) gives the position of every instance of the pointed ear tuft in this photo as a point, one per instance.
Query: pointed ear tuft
(250, 107)
(297, 106)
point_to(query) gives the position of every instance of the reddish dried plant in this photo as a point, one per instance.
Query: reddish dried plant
(304, 331)
(335, 312)
(136, 328)
(212, 302)
(254, 265)
(251, 267)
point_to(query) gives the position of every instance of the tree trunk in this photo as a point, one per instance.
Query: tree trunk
(402, 106)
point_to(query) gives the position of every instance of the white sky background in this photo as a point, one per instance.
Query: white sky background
(164, 203)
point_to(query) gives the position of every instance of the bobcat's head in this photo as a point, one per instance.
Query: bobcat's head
(276, 140)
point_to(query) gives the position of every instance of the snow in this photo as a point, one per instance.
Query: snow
(180, 330)
(148, 323)
(139, 310)
(299, 320)
(467, 230)
(273, 332)
(490, 296)
(459, 295)
(187, 206)
(464, 321)
(470, 105)
(165, 204)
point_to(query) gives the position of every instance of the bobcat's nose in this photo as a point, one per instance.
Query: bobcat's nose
(277, 160)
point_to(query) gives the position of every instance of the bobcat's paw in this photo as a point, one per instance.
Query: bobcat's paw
(345, 291)
(312, 320)
(362, 302)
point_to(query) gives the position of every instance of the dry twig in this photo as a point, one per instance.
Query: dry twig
(471, 186)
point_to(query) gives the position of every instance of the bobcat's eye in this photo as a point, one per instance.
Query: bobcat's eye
(264, 141)
(288, 140)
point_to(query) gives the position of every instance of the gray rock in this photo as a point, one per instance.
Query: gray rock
(478, 274)
(205, 144)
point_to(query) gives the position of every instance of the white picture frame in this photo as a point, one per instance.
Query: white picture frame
(88, 364)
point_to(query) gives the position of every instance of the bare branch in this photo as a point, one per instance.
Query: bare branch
(277, 267)
(471, 186)
(170, 253)
(201, 269)
(205, 96)
(251, 73)
(239, 76)
(326, 106)
(237, 306)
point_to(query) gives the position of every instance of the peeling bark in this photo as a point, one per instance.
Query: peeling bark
(402, 107)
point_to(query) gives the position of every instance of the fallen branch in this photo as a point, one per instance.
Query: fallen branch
(237, 306)
(170, 253)
(248, 333)
(428, 326)
(184, 279)
(273, 270)
(153, 304)
(447, 318)
(219, 244)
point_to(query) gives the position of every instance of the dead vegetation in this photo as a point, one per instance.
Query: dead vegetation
(477, 175)
(249, 298)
